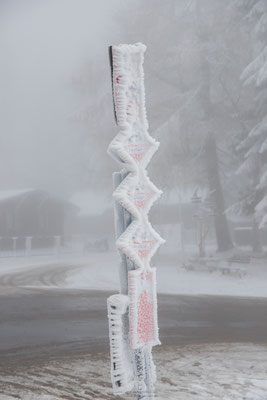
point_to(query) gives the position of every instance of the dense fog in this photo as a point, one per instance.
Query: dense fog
(97, 266)
(205, 77)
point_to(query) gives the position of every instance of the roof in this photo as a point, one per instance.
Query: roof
(9, 194)
(16, 194)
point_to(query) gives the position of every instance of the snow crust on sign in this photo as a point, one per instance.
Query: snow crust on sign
(133, 147)
(128, 84)
(139, 242)
(121, 370)
(137, 194)
(143, 308)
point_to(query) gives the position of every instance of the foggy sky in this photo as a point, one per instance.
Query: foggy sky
(51, 55)
(43, 45)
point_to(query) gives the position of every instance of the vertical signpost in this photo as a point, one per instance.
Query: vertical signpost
(133, 322)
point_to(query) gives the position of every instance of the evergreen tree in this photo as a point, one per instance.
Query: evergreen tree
(253, 144)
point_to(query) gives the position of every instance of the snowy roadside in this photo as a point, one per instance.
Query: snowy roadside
(102, 273)
(20, 263)
(190, 372)
(99, 271)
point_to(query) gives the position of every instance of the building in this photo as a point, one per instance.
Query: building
(31, 213)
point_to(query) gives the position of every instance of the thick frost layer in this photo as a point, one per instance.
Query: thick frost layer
(139, 242)
(143, 308)
(133, 147)
(137, 194)
(121, 368)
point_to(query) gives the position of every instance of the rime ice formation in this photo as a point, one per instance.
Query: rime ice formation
(133, 323)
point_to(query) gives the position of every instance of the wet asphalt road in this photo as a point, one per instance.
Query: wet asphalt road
(48, 324)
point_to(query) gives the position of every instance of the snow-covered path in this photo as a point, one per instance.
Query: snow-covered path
(99, 271)
(190, 372)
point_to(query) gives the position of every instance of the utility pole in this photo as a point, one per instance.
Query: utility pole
(133, 324)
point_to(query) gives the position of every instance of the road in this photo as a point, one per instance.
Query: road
(54, 341)
(48, 322)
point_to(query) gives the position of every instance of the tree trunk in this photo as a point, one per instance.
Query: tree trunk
(256, 239)
(224, 241)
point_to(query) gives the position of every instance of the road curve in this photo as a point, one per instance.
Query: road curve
(38, 318)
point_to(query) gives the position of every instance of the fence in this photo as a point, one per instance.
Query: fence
(29, 246)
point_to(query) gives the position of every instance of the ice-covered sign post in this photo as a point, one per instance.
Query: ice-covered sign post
(133, 322)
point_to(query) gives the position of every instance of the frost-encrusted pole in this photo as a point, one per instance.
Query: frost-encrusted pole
(133, 324)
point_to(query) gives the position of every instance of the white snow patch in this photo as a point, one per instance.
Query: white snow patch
(99, 271)
(102, 273)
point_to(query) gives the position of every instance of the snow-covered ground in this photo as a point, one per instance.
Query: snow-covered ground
(100, 271)
(190, 372)
(186, 372)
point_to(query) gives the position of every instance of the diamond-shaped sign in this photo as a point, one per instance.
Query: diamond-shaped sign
(139, 242)
(137, 193)
(134, 146)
